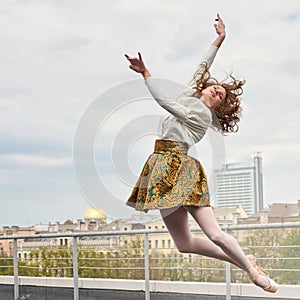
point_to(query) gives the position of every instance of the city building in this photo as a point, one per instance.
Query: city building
(275, 213)
(6, 246)
(240, 184)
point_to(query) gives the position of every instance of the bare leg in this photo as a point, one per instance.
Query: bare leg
(205, 218)
(176, 221)
(220, 244)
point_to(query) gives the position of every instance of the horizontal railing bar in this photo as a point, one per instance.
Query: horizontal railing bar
(117, 268)
(206, 269)
(194, 257)
(141, 232)
(46, 268)
(281, 270)
(287, 246)
(114, 258)
(48, 258)
(262, 226)
(190, 268)
(285, 270)
(152, 268)
(280, 258)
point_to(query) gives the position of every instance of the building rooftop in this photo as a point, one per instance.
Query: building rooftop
(281, 210)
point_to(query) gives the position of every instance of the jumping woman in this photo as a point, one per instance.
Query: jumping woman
(174, 182)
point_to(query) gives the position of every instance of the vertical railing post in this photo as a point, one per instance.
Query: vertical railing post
(16, 272)
(75, 268)
(228, 277)
(228, 281)
(147, 266)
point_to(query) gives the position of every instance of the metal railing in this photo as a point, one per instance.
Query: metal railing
(146, 251)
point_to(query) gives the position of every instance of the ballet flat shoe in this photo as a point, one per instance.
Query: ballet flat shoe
(272, 288)
(256, 266)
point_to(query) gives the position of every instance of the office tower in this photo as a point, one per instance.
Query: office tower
(240, 183)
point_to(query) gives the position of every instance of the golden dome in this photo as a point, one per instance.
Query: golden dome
(94, 213)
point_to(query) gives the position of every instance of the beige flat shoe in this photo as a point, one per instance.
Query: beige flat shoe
(256, 266)
(272, 288)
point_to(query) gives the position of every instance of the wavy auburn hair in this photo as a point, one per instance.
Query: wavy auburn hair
(227, 114)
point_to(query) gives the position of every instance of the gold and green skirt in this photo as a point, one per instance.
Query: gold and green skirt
(170, 178)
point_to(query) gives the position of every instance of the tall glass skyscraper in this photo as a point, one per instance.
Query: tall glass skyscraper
(240, 183)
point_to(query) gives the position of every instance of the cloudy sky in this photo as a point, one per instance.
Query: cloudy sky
(63, 72)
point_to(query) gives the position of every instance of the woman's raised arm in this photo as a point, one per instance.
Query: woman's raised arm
(212, 51)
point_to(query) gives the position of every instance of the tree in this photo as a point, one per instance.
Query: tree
(6, 265)
(290, 259)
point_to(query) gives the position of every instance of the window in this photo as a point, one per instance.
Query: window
(156, 243)
(169, 243)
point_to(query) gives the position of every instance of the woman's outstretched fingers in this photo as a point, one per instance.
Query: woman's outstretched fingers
(140, 56)
(137, 65)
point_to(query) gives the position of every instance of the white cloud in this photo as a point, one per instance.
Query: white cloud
(24, 160)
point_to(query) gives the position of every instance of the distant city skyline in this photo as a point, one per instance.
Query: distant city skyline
(59, 56)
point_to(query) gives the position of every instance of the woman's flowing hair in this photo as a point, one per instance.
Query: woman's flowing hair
(227, 114)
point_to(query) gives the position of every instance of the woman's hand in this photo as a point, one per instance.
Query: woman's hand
(137, 64)
(220, 30)
(220, 26)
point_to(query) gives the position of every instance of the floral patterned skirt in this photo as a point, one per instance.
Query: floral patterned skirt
(170, 178)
